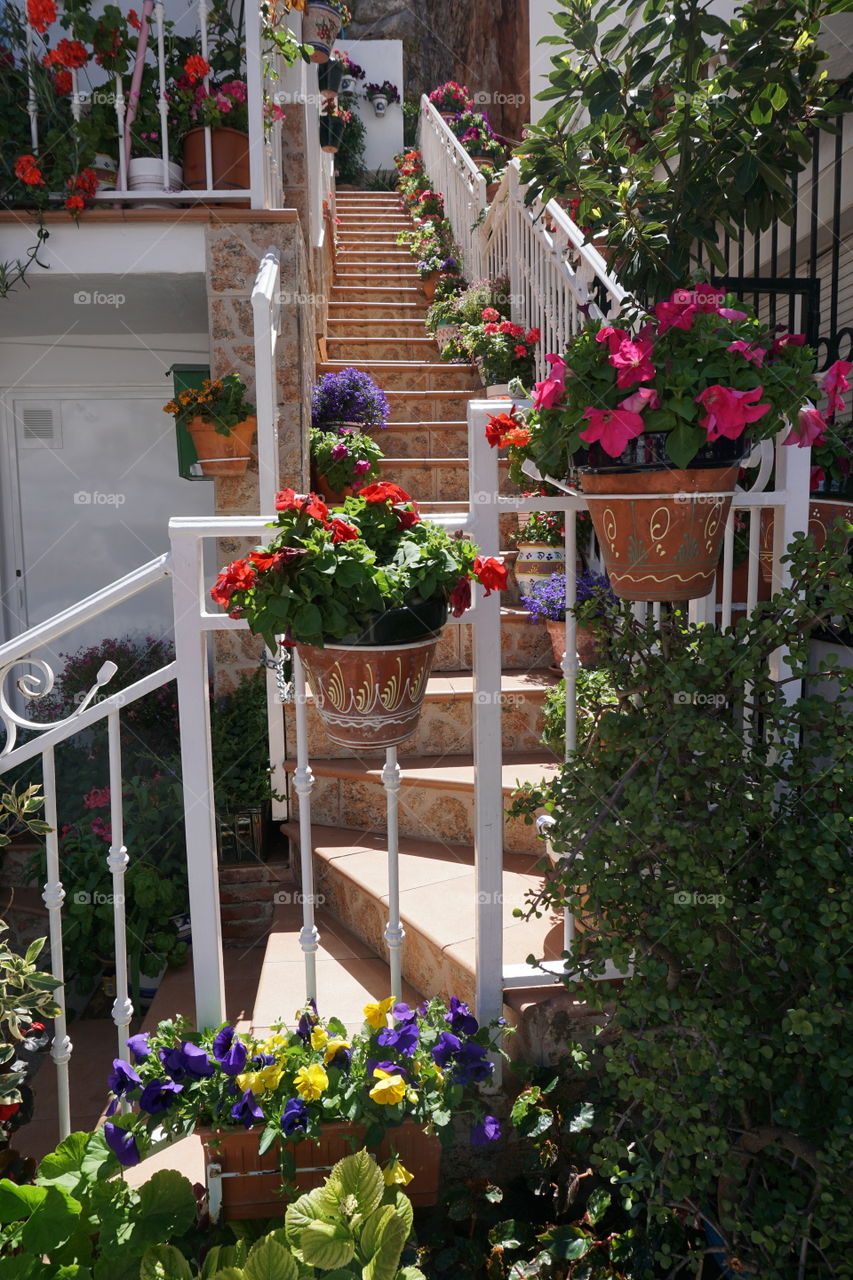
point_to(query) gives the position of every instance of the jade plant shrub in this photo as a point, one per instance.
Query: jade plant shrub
(713, 820)
(594, 694)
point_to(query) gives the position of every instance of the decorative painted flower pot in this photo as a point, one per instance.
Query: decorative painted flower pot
(429, 284)
(823, 512)
(251, 1184)
(220, 455)
(331, 132)
(369, 698)
(106, 169)
(497, 391)
(321, 25)
(535, 562)
(229, 154)
(347, 85)
(380, 104)
(445, 333)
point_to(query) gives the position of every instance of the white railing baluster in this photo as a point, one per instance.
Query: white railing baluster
(53, 897)
(394, 931)
(76, 110)
(120, 106)
(162, 102)
(258, 142)
(32, 101)
(727, 575)
(208, 144)
(303, 784)
(117, 862)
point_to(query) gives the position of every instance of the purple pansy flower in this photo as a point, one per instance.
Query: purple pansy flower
(158, 1096)
(448, 1044)
(122, 1144)
(404, 1038)
(139, 1046)
(246, 1111)
(471, 1065)
(392, 1068)
(294, 1117)
(488, 1130)
(230, 1052)
(306, 1022)
(122, 1078)
(462, 1021)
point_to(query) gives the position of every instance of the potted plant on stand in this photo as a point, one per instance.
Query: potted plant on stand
(307, 1096)
(348, 398)
(342, 462)
(594, 603)
(363, 595)
(541, 548)
(380, 95)
(668, 410)
(450, 99)
(321, 26)
(222, 424)
(501, 350)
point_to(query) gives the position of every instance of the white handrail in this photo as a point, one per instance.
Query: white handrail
(455, 175)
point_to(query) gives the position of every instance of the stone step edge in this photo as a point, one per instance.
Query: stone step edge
(416, 770)
(439, 686)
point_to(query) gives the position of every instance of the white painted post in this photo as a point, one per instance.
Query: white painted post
(194, 712)
(570, 656)
(53, 897)
(162, 101)
(255, 89)
(117, 862)
(32, 101)
(793, 470)
(122, 149)
(394, 931)
(208, 145)
(488, 751)
(303, 783)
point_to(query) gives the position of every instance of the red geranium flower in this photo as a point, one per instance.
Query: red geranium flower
(40, 14)
(519, 436)
(8, 1109)
(68, 53)
(75, 204)
(460, 597)
(237, 576)
(342, 531)
(28, 171)
(86, 181)
(506, 326)
(519, 352)
(310, 503)
(490, 573)
(196, 68)
(384, 490)
(489, 313)
(498, 426)
(134, 19)
(62, 83)
(533, 335)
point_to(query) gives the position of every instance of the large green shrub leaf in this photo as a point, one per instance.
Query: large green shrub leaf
(359, 1175)
(299, 1215)
(79, 1159)
(269, 1260)
(384, 1263)
(52, 1222)
(327, 1244)
(166, 1208)
(371, 1234)
(164, 1262)
(17, 1203)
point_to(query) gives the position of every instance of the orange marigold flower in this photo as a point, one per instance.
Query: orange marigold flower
(28, 171)
(196, 68)
(40, 14)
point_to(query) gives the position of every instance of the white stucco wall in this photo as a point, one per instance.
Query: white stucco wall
(382, 60)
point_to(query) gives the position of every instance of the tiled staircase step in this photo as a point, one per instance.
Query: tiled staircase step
(358, 311)
(436, 800)
(356, 328)
(525, 645)
(375, 270)
(425, 440)
(429, 479)
(349, 971)
(446, 722)
(357, 349)
(378, 294)
(438, 904)
(413, 376)
(246, 897)
(377, 259)
(433, 406)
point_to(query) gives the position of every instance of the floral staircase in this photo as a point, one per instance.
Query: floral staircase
(377, 323)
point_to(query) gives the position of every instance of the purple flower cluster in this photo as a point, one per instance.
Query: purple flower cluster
(548, 597)
(348, 396)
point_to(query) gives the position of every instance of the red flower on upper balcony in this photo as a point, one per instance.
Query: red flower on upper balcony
(237, 576)
(62, 83)
(69, 54)
(491, 573)
(196, 68)
(75, 204)
(28, 171)
(40, 14)
(134, 19)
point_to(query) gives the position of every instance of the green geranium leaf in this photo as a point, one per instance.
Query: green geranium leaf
(164, 1262)
(17, 1203)
(52, 1222)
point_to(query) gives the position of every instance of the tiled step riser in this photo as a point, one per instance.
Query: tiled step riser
(429, 482)
(445, 727)
(425, 440)
(412, 376)
(524, 645)
(358, 349)
(382, 327)
(435, 971)
(424, 812)
(388, 312)
(351, 258)
(423, 406)
(381, 295)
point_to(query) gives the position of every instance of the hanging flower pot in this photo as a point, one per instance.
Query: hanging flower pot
(370, 698)
(221, 455)
(429, 284)
(229, 152)
(330, 76)
(332, 125)
(380, 104)
(321, 26)
(535, 562)
(823, 512)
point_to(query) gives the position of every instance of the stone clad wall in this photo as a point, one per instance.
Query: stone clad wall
(234, 251)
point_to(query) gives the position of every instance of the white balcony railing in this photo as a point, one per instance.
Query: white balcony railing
(455, 175)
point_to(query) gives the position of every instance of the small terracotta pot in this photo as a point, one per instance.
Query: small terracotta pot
(229, 158)
(369, 698)
(586, 643)
(258, 1194)
(823, 512)
(429, 285)
(221, 455)
(335, 497)
(660, 548)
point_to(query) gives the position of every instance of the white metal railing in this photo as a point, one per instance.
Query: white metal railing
(265, 71)
(456, 176)
(789, 500)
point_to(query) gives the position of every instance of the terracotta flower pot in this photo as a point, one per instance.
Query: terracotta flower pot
(223, 455)
(229, 155)
(535, 562)
(823, 512)
(335, 497)
(369, 698)
(660, 548)
(255, 1191)
(586, 643)
(429, 284)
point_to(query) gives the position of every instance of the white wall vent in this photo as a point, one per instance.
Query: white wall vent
(39, 424)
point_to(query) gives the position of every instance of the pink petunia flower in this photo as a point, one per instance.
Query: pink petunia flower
(809, 430)
(817, 476)
(611, 428)
(642, 398)
(836, 385)
(613, 337)
(550, 392)
(729, 410)
(632, 361)
(754, 354)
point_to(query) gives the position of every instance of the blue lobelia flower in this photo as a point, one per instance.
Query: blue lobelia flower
(294, 1117)
(247, 1111)
(122, 1144)
(122, 1078)
(230, 1052)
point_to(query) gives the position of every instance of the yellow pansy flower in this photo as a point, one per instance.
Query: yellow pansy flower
(248, 1080)
(376, 1013)
(388, 1090)
(270, 1077)
(333, 1046)
(311, 1081)
(319, 1037)
(274, 1044)
(396, 1175)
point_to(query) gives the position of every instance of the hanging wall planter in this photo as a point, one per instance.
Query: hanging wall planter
(221, 455)
(321, 26)
(380, 104)
(331, 131)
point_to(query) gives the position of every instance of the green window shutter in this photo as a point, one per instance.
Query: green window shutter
(188, 377)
